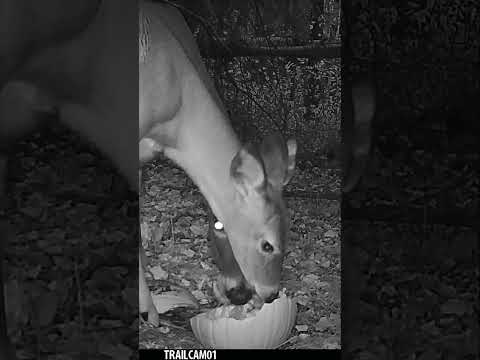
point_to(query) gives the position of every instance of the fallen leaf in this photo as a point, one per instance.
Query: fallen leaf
(330, 234)
(188, 253)
(198, 294)
(172, 299)
(199, 230)
(164, 329)
(33, 212)
(145, 233)
(117, 351)
(310, 279)
(158, 273)
(455, 307)
(325, 263)
(331, 344)
(159, 232)
(323, 324)
(301, 328)
(323, 285)
(205, 266)
(446, 290)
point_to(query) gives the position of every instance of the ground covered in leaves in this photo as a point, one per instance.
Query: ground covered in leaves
(410, 239)
(71, 229)
(174, 228)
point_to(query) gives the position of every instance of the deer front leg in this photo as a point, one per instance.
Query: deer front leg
(145, 297)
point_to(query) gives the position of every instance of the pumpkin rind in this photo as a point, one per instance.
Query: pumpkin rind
(268, 329)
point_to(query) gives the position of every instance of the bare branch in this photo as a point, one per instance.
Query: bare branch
(305, 51)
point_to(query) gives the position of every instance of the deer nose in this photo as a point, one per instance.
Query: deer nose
(271, 297)
(267, 293)
(239, 295)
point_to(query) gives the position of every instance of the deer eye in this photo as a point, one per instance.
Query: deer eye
(267, 247)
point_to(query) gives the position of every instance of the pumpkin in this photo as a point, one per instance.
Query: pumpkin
(231, 327)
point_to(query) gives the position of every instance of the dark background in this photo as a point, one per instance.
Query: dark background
(409, 232)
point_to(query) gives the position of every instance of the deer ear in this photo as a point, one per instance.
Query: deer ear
(279, 159)
(247, 171)
(356, 135)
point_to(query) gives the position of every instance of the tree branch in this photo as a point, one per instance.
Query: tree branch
(238, 50)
